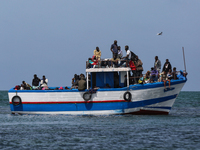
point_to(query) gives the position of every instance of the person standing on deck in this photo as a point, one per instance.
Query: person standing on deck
(167, 66)
(157, 64)
(114, 49)
(138, 64)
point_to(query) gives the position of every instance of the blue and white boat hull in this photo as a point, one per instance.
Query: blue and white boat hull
(147, 99)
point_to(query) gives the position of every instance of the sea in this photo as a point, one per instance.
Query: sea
(179, 130)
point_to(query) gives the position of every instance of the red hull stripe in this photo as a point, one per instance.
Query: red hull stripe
(72, 102)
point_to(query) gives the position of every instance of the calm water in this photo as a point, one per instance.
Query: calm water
(178, 130)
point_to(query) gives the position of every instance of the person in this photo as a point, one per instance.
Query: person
(120, 53)
(154, 75)
(105, 63)
(44, 82)
(81, 84)
(107, 86)
(147, 77)
(114, 49)
(174, 74)
(97, 53)
(95, 61)
(22, 87)
(139, 68)
(116, 80)
(127, 57)
(25, 86)
(75, 81)
(157, 64)
(167, 66)
(169, 74)
(182, 75)
(165, 79)
(89, 63)
(82, 75)
(114, 61)
(35, 82)
(134, 72)
(141, 79)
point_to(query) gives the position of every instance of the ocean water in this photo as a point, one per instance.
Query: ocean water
(178, 130)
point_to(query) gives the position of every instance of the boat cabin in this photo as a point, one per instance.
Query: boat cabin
(114, 77)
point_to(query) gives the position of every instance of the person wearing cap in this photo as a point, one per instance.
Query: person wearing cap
(35, 82)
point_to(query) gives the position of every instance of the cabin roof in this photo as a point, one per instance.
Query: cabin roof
(108, 69)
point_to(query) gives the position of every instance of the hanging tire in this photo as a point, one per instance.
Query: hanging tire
(87, 96)
(127, 96)
(16, 100)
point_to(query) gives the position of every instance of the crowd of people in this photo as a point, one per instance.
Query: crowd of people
(37, 84)
(156, 74)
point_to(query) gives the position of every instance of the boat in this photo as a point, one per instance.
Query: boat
(138, 99)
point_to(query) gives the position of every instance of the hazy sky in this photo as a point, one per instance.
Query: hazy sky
(56, 37)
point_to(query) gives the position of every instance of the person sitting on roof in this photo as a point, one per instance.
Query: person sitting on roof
(154, 75)
(89, 63)
(95, 61)
(114, 61)
(44, 82)
(165, 79)
(97, 53)
(105, 63)
(127, 57)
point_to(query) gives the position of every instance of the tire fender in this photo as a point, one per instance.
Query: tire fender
(16, 100)
(127, 96)
(87, 96)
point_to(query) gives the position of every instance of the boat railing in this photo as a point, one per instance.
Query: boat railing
(107, 63)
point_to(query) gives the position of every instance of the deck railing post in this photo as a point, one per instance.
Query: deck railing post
(127, 79)
(87, 81)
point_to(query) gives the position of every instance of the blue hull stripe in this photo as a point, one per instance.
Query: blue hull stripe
(91, 106)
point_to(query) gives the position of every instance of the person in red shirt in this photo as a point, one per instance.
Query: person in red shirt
(134, 71)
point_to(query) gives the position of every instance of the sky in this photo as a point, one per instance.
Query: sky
(55, 37)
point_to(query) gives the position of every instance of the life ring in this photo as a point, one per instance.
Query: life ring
(127, 96)
(87, 96)
(16, 100)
